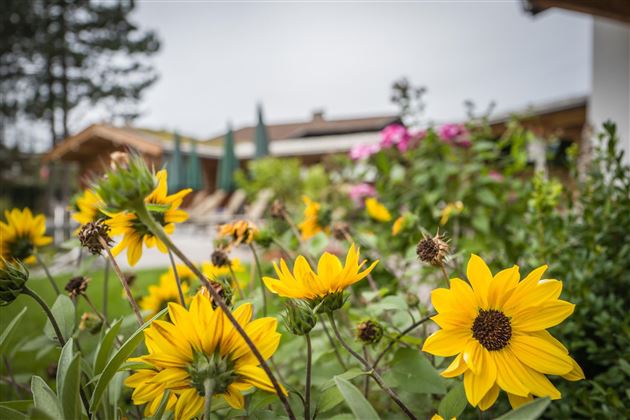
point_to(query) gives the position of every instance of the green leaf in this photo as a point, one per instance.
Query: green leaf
(162, 407)
(45, 399)
(19, 405)
(37, 414)
(8, 331)
(69, 396)
(9, 413)
(65, 358)
(328, 400)
(347, 375)
(105, 347)
(413, 372)
(360, 407)
(117, 360)
(453, 403)
(530, 411)
(63, 311)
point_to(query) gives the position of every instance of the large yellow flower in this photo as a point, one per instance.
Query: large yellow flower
(164, 208)
(331, 276)
(200, 344)
(497, 331)
(377, 211)
(240, 231)
(310, 225)
(88, 208)
(162, 294)
(22, 234)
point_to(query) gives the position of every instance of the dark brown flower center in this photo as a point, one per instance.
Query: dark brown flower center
(492, 329)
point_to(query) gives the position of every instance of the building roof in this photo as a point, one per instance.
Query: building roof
(611, 9)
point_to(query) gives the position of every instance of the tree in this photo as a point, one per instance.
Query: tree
(64, 53)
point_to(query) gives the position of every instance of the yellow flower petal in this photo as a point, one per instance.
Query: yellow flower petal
(479, 276)
(447, 342)
(543, 316)
(477, 385)
(541, 355)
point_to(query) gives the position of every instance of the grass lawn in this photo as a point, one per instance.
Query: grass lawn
(24, 364)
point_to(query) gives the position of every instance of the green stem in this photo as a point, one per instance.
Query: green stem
(106, 288)
(235, 280)
(307, 391)
(148, 220)
(177, 280)
(377, 378)
(48, 275)
(260, 277)
(333, 345)
(398, 337)
(123, 280)
(208, 386)
(49, 314)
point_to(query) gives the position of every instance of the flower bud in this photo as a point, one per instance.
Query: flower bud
(90, 322)
(412, 300)
(126, 185)
(299, 317)
(433, 250)
(77, 286)
(369, 332)
(220, 258)
(329, 303)
(13, 277)
(90, 234)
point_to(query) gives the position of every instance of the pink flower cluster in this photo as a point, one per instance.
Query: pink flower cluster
(359, 192)
(398, 135)
(363, 151)
(455, 134)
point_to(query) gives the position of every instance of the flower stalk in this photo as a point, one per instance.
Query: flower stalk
(260, 277)
(145, 217)
(208, 386)
(377, 378)
(398, 337)
(123, 280)
(307, 391)
(48, 275)
(180, 292)
(49, 314)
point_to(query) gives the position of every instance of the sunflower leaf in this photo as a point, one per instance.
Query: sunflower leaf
(9, 413)
(65, 358)
(69, 395)
(105, 347)
(453, 403)
(63, 311)
(45, 399)
(117, 360)
(530, 411)
(414, 373)
(8, 331)
(360, 407)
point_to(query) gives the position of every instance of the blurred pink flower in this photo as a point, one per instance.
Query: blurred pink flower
(412, 140)
(395, 135)
(363, 151)
(455, 134)
(496, 175)
(359, 192)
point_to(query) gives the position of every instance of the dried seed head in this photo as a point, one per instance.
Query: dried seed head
(220, 258)
(433, 250)
(77, 286)
(369, 332)
(341, 231)
(278, 209)
(90, 233)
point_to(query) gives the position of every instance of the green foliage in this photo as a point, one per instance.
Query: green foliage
(530, 411)
(282, 176)
(360, 407)
(588, 248)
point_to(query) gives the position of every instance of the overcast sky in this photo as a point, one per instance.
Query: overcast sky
(218, 59)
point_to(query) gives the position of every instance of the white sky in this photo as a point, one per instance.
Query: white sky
(218, 59)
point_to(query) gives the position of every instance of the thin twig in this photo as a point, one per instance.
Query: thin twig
(49, 314)
(333, 345)
(260, 276)
(123, 280)
(182, 300)
(48, 275)
(398, 337)
(106, 288)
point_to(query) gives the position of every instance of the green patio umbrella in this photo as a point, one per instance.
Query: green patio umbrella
(193, 169)
(261, 139)
(175, 166)
(228, 163)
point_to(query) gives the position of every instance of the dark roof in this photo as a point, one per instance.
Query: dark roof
(611, 9)
(318, 126)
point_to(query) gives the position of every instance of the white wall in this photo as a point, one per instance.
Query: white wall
(610, 97)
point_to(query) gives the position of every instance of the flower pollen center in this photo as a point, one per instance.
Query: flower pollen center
(492, 329)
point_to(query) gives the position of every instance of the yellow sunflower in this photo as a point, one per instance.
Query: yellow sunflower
(200, 344)
(377, 211)
(186, 275)
(149, 391)
(88, 208)
(398, 225)
(451, 208)
(240, 231)
(162, 294)
(164, 208)
(22, 234)
(496, 328)
(331, 276)
(310, 225)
